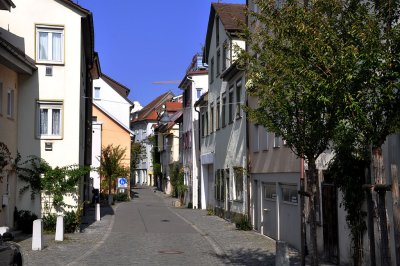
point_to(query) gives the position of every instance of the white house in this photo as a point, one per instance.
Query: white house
(223, 138)
(54, 106)
(194, 84)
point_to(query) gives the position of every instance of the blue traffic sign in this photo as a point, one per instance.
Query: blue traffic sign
(122, 182)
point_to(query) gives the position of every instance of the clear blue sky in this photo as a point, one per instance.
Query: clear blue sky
(140, 42)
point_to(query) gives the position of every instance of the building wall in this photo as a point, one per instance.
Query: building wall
(228, 142)
(8, 135)
(114, 134)
(112, 101)
(66, 85)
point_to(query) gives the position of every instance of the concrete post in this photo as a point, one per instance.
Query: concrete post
(60, 229)
(37, 235)
(4, 229)
(282, 254)
(98, 212)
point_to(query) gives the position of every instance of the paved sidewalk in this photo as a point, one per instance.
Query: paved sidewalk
(74, 245)
(234, 246)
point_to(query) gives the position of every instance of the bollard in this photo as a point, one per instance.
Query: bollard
(4, 229)
(60, 229)
(282, 254)
(98, 212)
(37, 235)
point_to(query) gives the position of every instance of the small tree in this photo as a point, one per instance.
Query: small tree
(111, 165)
(297, 68)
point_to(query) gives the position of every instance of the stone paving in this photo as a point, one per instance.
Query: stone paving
(210, 240)
(235, 246)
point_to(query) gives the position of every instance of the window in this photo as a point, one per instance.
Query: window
(269, 191)
(226, 56)
(49, 119)
(217, 30)
(198, 92)
(277, 141)
(1, 98)
(230, 105)
(219, 185)
(239, 172)
(289, 193)
(238, 99)
(203, 126)
(255, 140)
(94, 118)
(212, 118)
(223, 110)
(218, 62)
(96, 92)
(212, 70)
(206, 124)
(50, 44)
(10, 104)
(263, 139)
(217, 115)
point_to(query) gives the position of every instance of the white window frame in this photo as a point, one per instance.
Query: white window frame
(277, 141)
(50, 105)
(97, 93)
(50, 30)
(10, 103)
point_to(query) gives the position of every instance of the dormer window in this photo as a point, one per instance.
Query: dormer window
(50, 44)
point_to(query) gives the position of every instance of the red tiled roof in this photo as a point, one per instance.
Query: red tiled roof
(149, 111)
(173, 106)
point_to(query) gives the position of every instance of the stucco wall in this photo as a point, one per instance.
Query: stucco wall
(114, 134)
(8, 135)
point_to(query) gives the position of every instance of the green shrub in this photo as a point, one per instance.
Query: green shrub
(190, 205)
(49, 222)
(121, 197)
(72, 221)
(242, 222)
(210, 211)
(24, 220)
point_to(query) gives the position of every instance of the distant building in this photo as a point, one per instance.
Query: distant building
(194, 84)
(142, 125)
(222, 121)
(168, 140)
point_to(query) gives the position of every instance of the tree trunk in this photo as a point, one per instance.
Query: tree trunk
(312, 189)
(378, 171)
(303, 224)
(396, 211)
(370, 218)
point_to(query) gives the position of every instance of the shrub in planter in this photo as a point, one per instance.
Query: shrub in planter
(49, 222)
(121, 197)
(72, 221)
(24, 220)
(242, 222)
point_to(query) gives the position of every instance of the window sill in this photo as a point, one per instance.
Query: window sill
(10, 118)
(49, 137)
(49, 63)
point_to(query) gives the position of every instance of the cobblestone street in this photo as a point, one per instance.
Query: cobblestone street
(149, 231)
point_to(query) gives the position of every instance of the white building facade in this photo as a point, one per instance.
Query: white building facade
(194, 84)
(223, 123)
(54, 104)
